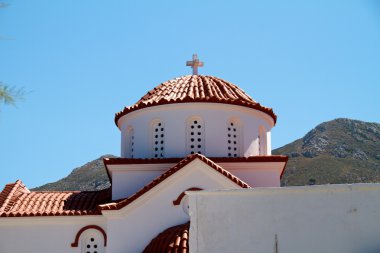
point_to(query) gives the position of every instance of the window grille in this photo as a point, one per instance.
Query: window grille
(196, 136)
(92, 242)
(158, 140)
(232, 139)
(130, 142)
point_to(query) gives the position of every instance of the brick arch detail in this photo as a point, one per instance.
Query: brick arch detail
(177, 201)
(76, 241)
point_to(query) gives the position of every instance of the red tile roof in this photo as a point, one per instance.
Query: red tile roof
(196, 88)
(124, 202)
(17, 201)
(172, 240)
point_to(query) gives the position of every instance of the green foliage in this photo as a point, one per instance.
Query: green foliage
(9, 95)
(340, 151)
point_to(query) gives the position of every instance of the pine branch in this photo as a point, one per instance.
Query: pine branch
(9, 95)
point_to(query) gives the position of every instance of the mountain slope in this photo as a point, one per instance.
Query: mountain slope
(91, 176)
(334, 152)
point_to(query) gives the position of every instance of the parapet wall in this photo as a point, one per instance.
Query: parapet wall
(313, 219)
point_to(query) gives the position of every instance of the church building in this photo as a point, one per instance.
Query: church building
(191, 133)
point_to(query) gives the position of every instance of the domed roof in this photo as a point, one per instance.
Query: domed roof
(196, 88)
(174, 239)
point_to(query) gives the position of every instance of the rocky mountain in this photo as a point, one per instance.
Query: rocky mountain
(335, 152)
(91, 176)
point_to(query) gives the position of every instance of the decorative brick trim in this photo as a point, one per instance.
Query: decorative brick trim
(177, 201)
(76, 241)
(283, 169)
(268, 158)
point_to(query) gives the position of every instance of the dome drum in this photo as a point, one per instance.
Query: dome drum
(195, 127)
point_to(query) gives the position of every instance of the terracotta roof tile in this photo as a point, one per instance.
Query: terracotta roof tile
(124, 202)
(172, 240)
(17, 201)
(196, 88)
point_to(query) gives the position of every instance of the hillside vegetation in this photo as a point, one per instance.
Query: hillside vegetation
(335, 152)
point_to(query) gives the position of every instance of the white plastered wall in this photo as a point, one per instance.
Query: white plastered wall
(175, 116)
(44, 234)
(313, 219)
(257, 174)
(152, 213)
(129, 178)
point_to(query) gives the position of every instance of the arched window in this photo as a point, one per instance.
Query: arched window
(130, 142)
(158, 134)
(262, 141)
(233, 139)
(92, 242)
(91, 239)
(195, 135)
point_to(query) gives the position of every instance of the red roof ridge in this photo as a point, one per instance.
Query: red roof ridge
(196, 88)
(124, 202)
(49, 191)
(9, 194)
(267, 158)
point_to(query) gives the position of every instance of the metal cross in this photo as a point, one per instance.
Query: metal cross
(195, 63)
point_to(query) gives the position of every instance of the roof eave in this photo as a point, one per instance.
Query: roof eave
(139, 106)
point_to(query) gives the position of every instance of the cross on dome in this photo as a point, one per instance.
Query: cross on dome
(195, 63)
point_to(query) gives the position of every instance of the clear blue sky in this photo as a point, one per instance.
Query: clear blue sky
(82, 61)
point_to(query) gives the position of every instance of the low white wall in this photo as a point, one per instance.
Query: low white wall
(43, 234)
(328, 219)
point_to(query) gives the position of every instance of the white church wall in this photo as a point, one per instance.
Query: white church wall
(132, 228)
(257, 174)
(313, 219)
(125, 184)
(269, 143)
(175, 116)
(128, 179)
(43, 234)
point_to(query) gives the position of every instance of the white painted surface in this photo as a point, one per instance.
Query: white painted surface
(133, 227)
(256, 174)
(129, 178)
(46, 234)
(128, 230)
(312, 219)
(175, 118)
